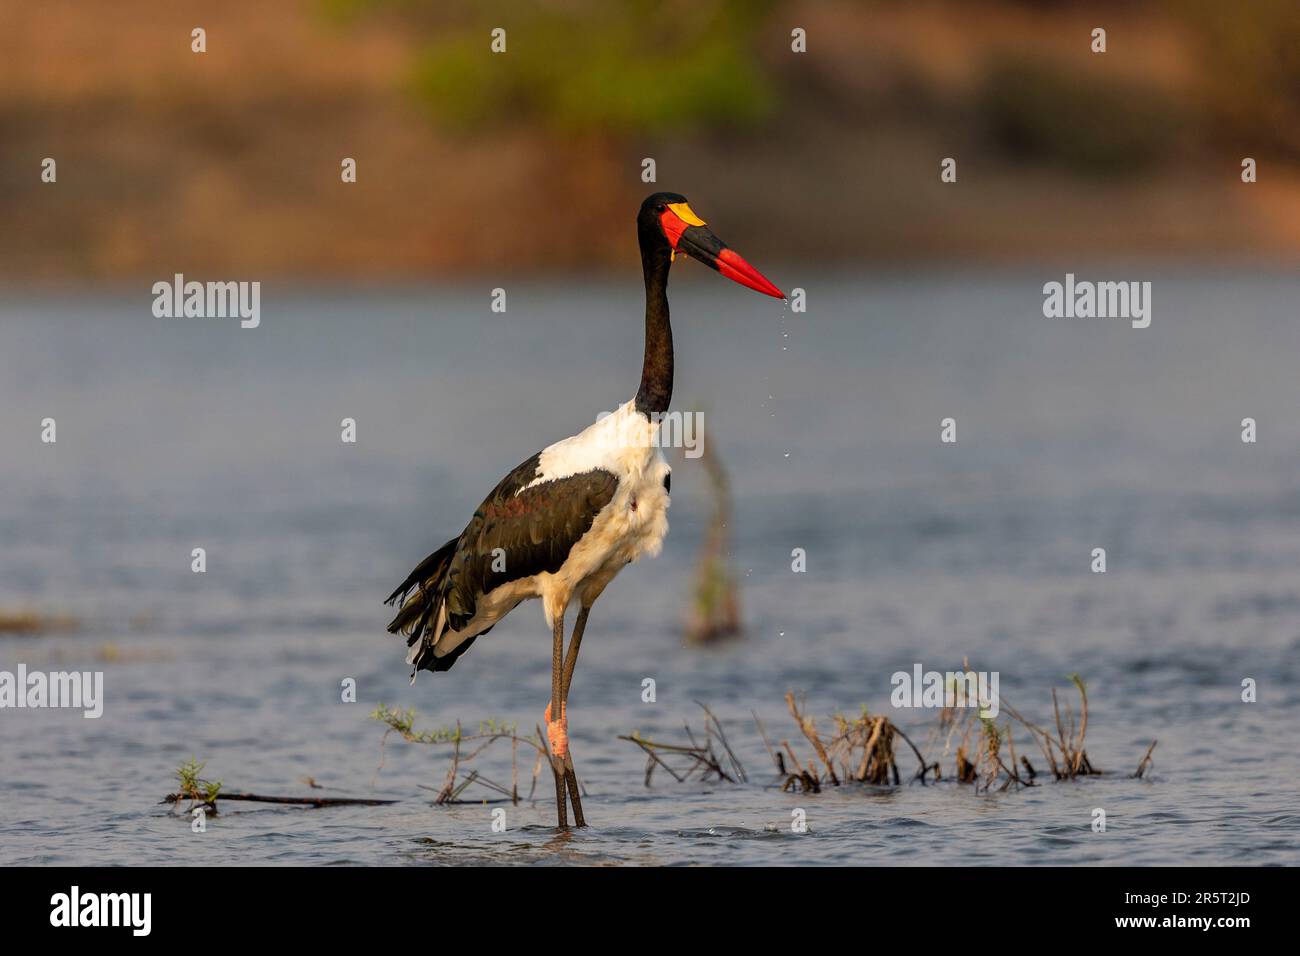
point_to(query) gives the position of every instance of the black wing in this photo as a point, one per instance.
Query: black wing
(519, 530)
(522, 529)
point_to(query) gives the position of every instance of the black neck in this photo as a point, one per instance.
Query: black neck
(656, 389)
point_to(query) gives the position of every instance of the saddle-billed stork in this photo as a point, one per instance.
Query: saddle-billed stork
(566, 521)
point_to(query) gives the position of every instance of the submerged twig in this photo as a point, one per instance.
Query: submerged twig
(263, 798)
(200, 791)
(1074, 760)
(715, 609)
(465, 748)
(703, 758)
(1146, 763)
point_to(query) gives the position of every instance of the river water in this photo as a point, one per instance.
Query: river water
(1072, 434)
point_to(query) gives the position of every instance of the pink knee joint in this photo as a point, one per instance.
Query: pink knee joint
(557, 732)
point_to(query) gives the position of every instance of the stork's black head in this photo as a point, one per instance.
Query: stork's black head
(667, 224)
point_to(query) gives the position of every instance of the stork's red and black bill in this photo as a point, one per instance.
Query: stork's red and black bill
(688, 233)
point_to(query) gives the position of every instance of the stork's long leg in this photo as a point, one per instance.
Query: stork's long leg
(571, 659)
(556, 712)
(570, 775)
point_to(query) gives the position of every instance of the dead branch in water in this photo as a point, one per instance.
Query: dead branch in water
(693, 757)
(200, 791)
(978, 757)
(715, 610)
(1146, 763)
(862, 749)
(1065, 744)
(465, 748)
(263, 798)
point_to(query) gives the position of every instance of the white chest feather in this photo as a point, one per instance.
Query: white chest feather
(635, 522)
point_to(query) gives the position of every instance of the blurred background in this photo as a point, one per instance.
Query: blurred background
(170, 161)
(523, 171)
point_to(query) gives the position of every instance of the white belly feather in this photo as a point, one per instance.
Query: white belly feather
(633, 524)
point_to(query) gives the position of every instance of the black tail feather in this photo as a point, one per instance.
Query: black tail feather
(430, 663)
(418, 610)
(426, 569)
